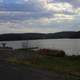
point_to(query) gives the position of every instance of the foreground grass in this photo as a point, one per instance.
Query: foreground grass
(67, 65)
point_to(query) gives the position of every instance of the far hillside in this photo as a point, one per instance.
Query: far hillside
(33, 36)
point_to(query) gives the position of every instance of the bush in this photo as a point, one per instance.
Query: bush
(51, 52)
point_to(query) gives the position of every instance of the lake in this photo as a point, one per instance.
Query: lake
(70, 46)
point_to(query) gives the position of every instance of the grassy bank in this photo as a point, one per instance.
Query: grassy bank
(61, 64)
(46, 60)
(67, 65)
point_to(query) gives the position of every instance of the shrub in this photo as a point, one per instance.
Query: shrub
(51, 52)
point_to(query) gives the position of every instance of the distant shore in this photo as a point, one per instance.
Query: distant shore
(34, 36)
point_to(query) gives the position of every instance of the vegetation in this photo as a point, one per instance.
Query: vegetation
(51, 52)
(30, 36)
(24, 49)
(62, 64)
(44, 59)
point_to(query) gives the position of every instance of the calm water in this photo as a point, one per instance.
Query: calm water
(70, 46)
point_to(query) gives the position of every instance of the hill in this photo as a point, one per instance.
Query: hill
(31, 36)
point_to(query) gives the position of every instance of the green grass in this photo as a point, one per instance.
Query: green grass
(67, 65)
(60, 64)
(24, 49)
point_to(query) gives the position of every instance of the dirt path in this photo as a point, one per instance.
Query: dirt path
(15, 72)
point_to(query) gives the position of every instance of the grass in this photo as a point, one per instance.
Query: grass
(69, 68)
(69, 65)
(60, 64)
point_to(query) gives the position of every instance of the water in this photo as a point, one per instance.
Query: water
(70, 46)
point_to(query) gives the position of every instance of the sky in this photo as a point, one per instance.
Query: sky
(39, 16)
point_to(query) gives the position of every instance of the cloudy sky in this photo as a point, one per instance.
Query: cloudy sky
(44, 16)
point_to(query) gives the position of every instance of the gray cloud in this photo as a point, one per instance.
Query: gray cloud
(39, 16)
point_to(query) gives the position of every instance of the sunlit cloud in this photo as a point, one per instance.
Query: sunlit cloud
(77, 11)
(63, 17)
(60, 7)
(39, 15)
